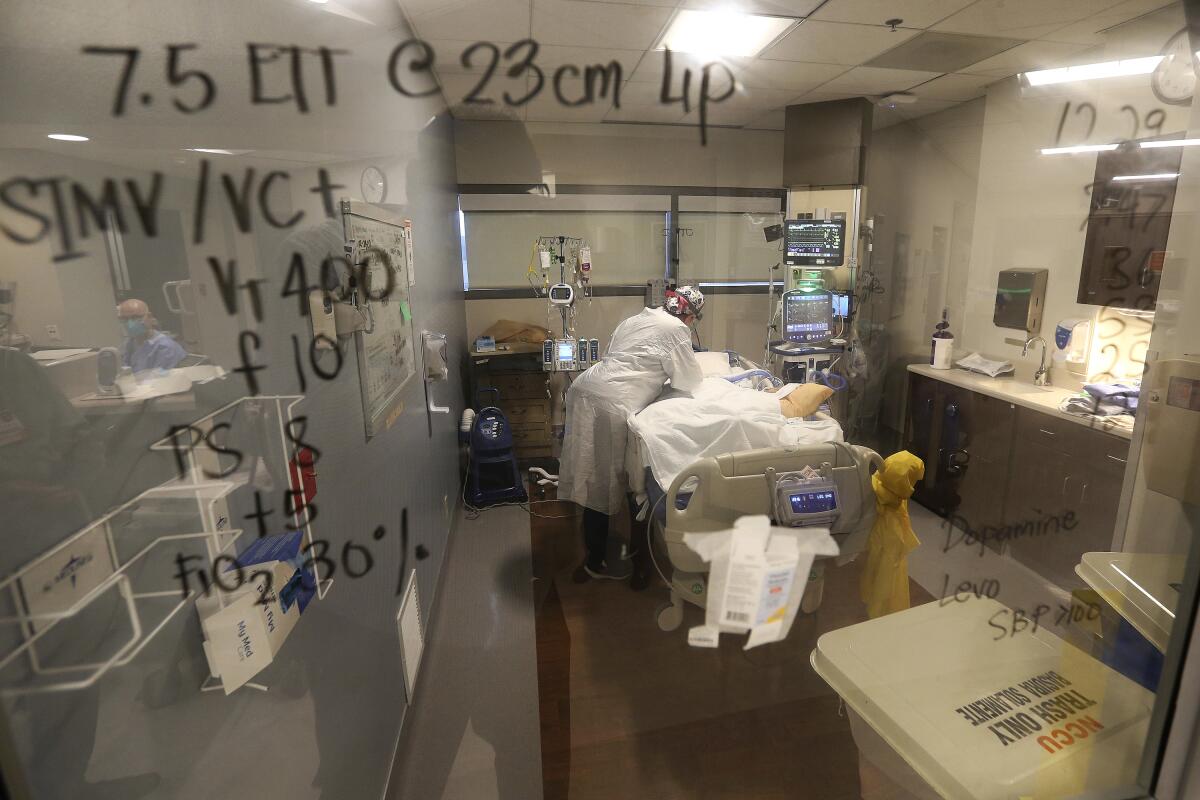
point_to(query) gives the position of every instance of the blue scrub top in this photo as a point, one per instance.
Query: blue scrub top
(158, 352)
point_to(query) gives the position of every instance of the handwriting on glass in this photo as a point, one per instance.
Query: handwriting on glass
(280, 74)
(959, 530)
(225, 574)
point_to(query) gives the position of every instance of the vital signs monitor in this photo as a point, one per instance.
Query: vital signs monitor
(814, 242)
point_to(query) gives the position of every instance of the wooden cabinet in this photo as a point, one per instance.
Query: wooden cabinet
(1064, 489)
(1052, 484)
(965, 439)
(524, 397)
(1128, 223)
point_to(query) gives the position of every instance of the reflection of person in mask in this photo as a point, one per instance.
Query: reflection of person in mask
(146, 348)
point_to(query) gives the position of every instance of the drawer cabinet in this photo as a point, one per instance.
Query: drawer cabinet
(965, 439)
(1063, 474)
(524, 400)
(990, 464)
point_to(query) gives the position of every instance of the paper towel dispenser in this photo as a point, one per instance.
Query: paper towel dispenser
(1020, 299)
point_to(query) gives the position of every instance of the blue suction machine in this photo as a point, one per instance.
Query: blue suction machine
(493, 476)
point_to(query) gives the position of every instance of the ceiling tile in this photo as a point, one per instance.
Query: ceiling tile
(876, 81)
(654, 113)
(746, 102)
(794, 76)
(653, 64)
(473, 20)
(756, 100)
(640, 93)
(457, 87)
(836, 43)
(942, 52)
(662, 3)
(1031, 55)
(771, 121)
(955, 88)
(551, 57)
(915, 13)
(1020, 19)
(547, 109)
(447, 56)
(1092, 29)
(821, 96)
(779, 8)
(727, 118)
(589, 24)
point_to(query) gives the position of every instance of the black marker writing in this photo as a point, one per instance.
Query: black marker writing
(282, 75)
(959, 530)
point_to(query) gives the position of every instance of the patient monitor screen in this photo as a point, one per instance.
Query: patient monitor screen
(814, 242)
(807, 316)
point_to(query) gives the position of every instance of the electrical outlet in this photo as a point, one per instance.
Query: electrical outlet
(52, 333)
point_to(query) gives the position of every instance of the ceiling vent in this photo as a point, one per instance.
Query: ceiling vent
(942, 52)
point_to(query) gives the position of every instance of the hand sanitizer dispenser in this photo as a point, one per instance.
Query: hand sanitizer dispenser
(1072, 338)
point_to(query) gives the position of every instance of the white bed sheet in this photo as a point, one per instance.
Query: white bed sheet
(720, 418)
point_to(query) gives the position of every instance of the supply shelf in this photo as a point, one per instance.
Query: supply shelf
(127, 558)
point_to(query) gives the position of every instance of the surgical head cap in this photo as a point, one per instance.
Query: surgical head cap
(684, 300)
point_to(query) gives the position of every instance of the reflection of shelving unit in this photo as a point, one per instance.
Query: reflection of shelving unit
(115, 551)
(1143, 589)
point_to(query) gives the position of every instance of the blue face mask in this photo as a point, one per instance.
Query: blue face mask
(135, 327)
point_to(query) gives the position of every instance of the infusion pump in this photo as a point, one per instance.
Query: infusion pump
(569, 355)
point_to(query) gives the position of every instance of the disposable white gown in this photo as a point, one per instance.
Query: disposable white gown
(646, 350)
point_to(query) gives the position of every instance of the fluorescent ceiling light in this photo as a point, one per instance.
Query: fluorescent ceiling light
(1157, 176)
(1172, 143)
(1079, 148)
(722, 33)
(1091, 72)
(66, 137)
(217, 151)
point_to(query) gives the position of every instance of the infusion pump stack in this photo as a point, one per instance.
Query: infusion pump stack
(570, 261)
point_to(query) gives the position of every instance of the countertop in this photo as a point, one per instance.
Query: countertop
(1045, 399)
(1142, 588)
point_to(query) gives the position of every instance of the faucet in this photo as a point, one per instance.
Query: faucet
(1042, 376)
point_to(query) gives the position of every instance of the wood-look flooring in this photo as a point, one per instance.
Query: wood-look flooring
(628, 711)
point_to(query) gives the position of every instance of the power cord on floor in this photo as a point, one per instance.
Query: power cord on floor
(650, 540)
(472, 512)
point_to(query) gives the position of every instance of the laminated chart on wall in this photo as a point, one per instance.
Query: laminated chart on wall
(386, 349)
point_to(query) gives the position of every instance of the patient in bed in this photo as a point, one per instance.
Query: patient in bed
(723, 418)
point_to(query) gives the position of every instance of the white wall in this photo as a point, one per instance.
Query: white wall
(647, 155)
(1030, 206)
(921, 184)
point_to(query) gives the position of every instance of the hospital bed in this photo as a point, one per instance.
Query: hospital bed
(808, 477)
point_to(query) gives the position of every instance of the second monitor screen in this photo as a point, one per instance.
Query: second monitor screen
(807, 317)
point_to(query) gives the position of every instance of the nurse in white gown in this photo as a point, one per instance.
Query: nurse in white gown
(646, 350)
